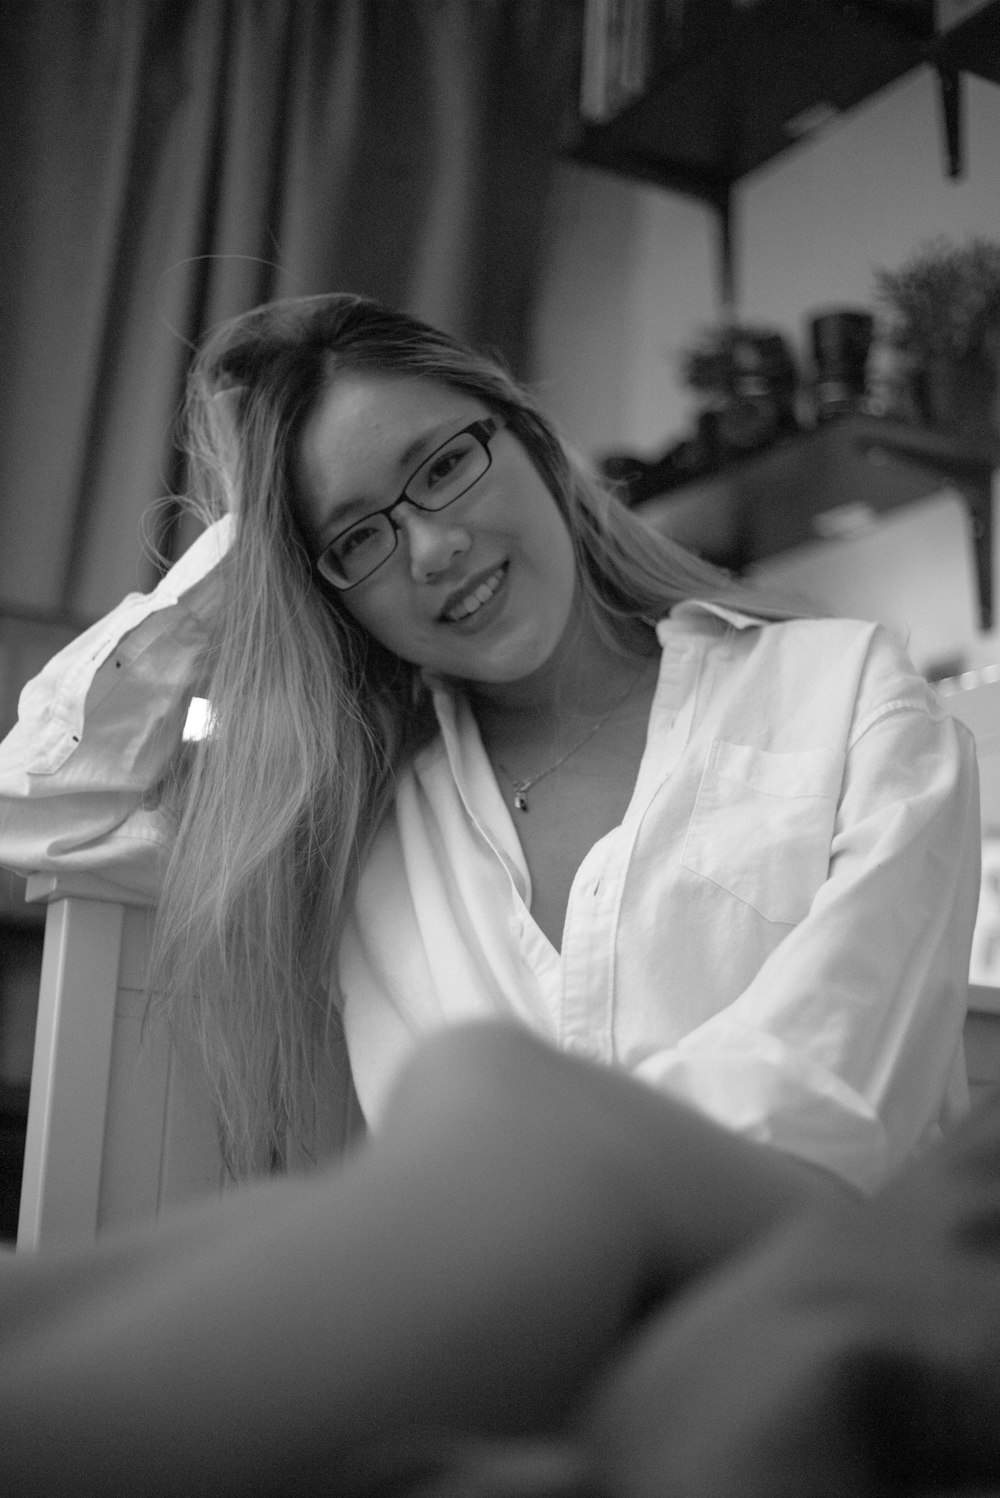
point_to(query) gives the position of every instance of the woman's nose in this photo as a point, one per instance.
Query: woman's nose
(433, 541)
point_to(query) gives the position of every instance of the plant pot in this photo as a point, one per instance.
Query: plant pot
(959, 395)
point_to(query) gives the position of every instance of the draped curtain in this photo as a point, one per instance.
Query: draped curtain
(168, 163)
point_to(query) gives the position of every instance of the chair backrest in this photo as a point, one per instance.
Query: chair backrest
(118, 1129)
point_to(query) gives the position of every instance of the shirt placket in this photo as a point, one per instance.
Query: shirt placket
(588, 949)
(593, 914)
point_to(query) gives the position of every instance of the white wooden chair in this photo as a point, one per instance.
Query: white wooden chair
(118, 1130)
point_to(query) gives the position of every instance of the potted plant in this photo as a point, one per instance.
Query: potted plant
(940, 313)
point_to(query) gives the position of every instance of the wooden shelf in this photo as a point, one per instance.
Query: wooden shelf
(749, 82)
(973, 46)
(747, 86)
(826, 483)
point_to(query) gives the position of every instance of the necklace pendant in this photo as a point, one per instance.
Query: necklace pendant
(519, 798)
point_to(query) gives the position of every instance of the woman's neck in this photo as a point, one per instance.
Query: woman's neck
(585, 672)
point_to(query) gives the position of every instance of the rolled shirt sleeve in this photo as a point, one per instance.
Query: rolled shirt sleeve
(97, 727)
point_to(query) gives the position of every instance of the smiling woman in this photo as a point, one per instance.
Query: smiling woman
(484, 746)
(484, 584)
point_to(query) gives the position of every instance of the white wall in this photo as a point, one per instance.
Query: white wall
(630, 271)
(913, 572)
(632, 274)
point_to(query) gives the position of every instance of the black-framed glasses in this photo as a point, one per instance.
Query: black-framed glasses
(449, 472)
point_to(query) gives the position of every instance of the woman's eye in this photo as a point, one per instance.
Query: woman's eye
(444, 465)
(356, 539)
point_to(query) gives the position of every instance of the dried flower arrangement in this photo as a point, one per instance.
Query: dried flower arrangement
(747, 379)
(727, 357)
(944, 302)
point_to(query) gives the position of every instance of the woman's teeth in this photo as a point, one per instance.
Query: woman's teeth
(474, 601)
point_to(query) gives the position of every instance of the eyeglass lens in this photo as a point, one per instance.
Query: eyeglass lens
(441, 479)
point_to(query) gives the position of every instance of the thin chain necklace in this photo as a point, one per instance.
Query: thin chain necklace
(522, 787)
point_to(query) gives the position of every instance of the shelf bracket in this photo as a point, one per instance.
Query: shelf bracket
(977, 492)
(951, 95)
(722, 202)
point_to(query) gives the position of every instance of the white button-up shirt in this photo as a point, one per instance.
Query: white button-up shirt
(777, 933)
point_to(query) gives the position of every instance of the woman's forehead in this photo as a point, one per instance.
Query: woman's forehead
(359, 409)
(369, 430)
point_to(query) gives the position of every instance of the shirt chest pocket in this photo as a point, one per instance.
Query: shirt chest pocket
(762, 825)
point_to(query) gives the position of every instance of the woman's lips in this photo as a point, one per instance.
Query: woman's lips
(472, 601)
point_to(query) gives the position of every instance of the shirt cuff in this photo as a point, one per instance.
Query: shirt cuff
(752, 1082)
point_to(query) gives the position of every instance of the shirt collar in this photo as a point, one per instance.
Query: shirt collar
(738, 618)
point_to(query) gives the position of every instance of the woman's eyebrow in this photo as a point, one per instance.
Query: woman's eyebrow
(345, 514)
(425, 443)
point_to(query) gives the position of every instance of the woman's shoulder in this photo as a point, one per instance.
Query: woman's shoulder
(832, 632)
(863, 663)
(808, 663)
(789, 633)
(862, 650)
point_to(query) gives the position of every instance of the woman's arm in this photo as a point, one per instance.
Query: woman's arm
(98, 726)
(847, 1041)
(469, 1273)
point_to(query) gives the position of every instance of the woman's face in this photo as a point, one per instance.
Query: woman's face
(482, 591)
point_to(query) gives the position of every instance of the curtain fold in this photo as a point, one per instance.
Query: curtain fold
(169, 163)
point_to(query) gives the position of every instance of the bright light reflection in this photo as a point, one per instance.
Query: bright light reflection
(198, 724)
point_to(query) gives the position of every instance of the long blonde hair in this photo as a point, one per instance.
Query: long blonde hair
(311, 719)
